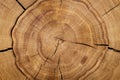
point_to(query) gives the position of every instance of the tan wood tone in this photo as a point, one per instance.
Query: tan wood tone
(8, 69)
(9, 11)
(68, 40)
(26, 3)
(60, 40)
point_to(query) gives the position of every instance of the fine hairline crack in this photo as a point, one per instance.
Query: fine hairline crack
(58, 65)
(107, 45)
(61, 74)
(53, 53)
(56, 49)
(75, 42)
(111, 9)
(38, 71)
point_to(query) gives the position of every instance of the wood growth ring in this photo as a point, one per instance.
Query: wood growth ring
(54, 40)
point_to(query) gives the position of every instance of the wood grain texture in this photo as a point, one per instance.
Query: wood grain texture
(56, 41)
(62, 40)
(8, 14)
(8, 69)
(26, 3)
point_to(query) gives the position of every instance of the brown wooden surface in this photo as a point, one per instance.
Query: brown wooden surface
(26, 3)
(59, 40)
(9, 11)
(8, 69)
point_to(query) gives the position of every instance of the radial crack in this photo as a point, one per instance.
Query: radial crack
(83, 44)
(58, 62)
(116, 50)
(32, 4)
(56, 49)
(38, 72)
(7, 49)
(57, 66)
(111, 9)
(61, 74)
(110, 48)
(101, 44)
(76, 42)
(52, 54)
(20, 4)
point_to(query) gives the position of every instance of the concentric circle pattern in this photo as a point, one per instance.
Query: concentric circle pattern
(55, 40)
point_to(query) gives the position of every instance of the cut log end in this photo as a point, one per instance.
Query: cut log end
(54, 40)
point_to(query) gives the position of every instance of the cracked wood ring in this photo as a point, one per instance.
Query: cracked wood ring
(56, 41)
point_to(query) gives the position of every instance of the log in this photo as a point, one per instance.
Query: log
(61, 40)
(65, 40)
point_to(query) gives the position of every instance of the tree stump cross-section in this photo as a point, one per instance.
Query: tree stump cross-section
(60, 40)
